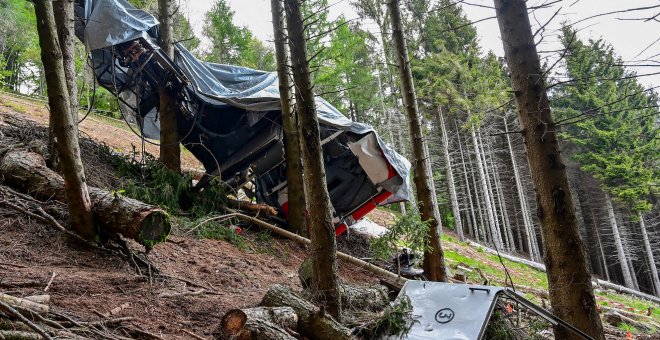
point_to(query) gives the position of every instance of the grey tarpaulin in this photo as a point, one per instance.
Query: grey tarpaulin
(107, 23)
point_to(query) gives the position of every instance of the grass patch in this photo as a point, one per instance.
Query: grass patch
(630, 301)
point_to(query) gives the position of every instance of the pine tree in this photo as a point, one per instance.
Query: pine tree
(170, 151)
(565, 258)
(434, 261)
(64, 125)
(325, 280)
(294, 170)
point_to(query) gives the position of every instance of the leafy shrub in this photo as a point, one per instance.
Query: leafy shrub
(408, 231)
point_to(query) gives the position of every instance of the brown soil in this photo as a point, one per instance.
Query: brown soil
(116, 134)
(90, 283)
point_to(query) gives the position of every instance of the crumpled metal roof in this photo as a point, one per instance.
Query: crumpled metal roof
(107, 23)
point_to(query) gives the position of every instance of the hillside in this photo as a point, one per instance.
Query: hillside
(200, 278)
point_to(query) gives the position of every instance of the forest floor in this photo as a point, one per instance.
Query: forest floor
(200, 279)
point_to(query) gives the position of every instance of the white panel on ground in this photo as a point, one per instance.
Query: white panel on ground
(368, 227)
(449, 311)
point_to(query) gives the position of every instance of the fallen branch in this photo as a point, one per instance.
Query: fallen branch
(19, 335)
(50, 281)
(350, 259)
(10, 310)
(187, 293)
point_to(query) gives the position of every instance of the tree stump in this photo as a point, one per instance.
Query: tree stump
(313, 322)
(278, 323)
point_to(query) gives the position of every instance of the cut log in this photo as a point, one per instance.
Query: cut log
(24, 304)
(313, 322)
(264, 330)
(19, 335)
(42, 299)
(363, 298)
(252, 208)
(259, 323)
(355, 297)
(146, 224)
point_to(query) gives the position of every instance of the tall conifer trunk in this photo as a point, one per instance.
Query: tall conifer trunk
(649, 255)
(294, 169)
(64, 21)
(528, 230)
(571, 293)
(325, 281)
(620, 251)
(450, 178)
(64, 125)
(170, 151)
(434, 259)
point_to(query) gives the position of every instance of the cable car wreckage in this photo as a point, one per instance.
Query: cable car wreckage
(229, 119)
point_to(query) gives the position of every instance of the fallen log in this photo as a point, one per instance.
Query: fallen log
(27, 172)
(278, 323)
(19, 335)
(24, 304)
(596, 282)
(313, 322)
(621, 289)
(252, 208)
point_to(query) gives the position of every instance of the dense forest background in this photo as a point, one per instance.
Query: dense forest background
(607, 120)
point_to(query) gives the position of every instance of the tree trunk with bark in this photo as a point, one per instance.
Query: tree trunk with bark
(260, 323)
(434, 259)
(294, 169)
(170, 151)
(64, 21)
(472, 217)
(325, 281)
(490, 213)
(27, 172)
(649, 255)
(565, 257)
(450, 178)
(621, 254)
(65, 127)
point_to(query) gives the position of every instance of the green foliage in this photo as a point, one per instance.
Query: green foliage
(19, 44)
(397, 319)
(345, 71)
(408, 231)
(211, 229)
(627, 328)
(152, 183)
(232, 44)
(610, 121)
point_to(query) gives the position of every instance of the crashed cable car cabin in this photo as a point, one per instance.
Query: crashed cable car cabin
(229, 117)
